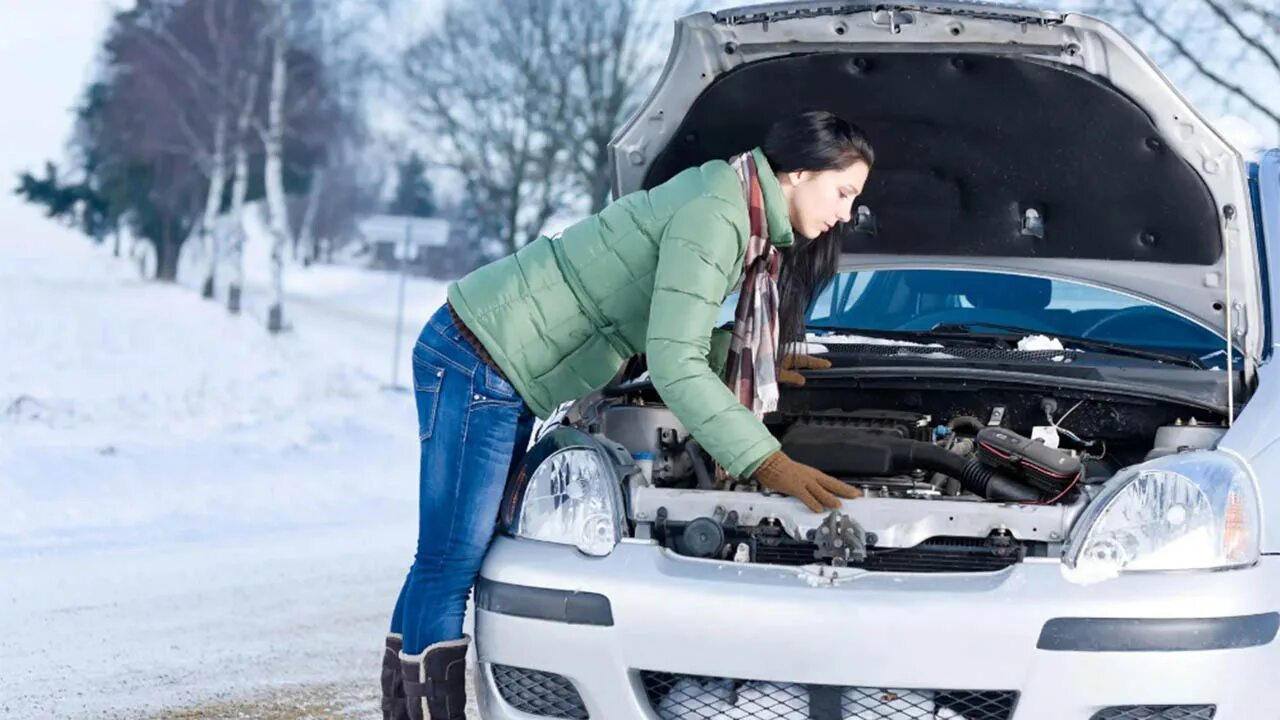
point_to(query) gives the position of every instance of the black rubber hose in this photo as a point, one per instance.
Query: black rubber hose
(985, 481)
(903, 456)
(694, 451)
(975, 477)
(927, 456)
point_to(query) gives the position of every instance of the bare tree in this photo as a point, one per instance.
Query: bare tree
(526, 124)
(1194, 45)
(194, 96)
(1270, 16)
(155, 127)
(207, 49)
(615, 55)
(272, 132)
(329, 119)
(287, 115)
(1225, 53)
(317, 70)
(495, 109)
(246, 96)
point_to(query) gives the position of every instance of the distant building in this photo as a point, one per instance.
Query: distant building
(388, 239)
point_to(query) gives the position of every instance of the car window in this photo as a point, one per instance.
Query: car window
(917, 299)
(840, 295)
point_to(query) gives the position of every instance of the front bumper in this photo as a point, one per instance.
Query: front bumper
(975, 632)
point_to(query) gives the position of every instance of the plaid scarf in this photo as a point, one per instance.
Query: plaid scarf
(751, 369)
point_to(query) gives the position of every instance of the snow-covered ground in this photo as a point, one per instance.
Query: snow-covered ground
(192, 512)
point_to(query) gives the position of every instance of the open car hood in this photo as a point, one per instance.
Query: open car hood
(1006, 139)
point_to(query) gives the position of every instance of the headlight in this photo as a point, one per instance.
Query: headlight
(572, 498)
(1190, 511)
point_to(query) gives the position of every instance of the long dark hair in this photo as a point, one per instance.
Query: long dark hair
(814, 140)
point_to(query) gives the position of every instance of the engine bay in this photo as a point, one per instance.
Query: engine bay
(955, 478)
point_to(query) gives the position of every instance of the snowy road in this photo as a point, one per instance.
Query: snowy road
(197, 520)
(131, 631)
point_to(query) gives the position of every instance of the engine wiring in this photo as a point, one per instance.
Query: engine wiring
(1087, 444)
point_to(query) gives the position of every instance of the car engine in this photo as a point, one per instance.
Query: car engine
(963, 481)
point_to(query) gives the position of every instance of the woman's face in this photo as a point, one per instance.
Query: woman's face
(817, 200)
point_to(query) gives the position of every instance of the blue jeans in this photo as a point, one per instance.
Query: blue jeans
(473, 429)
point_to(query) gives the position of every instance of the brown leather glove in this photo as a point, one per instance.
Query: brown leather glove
(787, 374)
(808, 485)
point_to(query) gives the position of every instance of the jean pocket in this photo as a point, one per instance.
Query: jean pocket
(427, 381)
(495, 387)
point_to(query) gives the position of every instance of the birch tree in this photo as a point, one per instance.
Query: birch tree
(272, 134)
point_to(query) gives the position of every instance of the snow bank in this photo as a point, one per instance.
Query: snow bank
(132, 410)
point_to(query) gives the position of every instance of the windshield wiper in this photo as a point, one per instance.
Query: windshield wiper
(1014, 333)
(906, 337)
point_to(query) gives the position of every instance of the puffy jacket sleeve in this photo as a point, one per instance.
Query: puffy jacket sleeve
(699, 249)
(719, 355)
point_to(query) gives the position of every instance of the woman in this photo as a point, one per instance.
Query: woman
(557, 320)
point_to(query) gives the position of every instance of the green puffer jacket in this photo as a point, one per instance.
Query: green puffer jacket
(648, 274)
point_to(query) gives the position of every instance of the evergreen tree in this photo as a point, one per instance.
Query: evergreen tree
(414, 194)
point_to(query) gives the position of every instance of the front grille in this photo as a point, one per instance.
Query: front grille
(943, 555)
(539, 693)
(1157, 712)
(691, 697)
(932, 556)
(789, 553)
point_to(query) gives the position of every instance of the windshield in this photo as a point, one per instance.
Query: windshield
(919, 300)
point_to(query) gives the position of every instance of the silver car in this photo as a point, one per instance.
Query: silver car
(1051, 339)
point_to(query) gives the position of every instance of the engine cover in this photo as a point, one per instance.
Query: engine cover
(1047, 469)
(892, 423)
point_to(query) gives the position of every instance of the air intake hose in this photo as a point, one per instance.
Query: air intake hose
(977, 478)
(842, 453)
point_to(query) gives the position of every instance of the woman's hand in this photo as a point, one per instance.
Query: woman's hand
(787, 374)
(810, 486)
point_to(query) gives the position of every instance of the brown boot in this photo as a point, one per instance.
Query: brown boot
(435, 682)
(394, 706)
